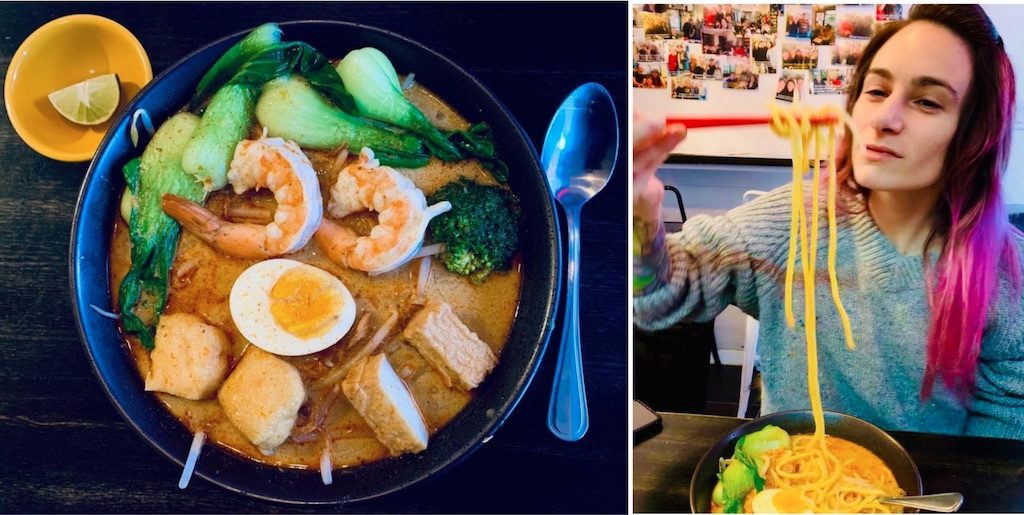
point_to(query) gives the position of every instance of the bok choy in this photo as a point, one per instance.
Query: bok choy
(371, 79)
(289, 108)
(153, 234)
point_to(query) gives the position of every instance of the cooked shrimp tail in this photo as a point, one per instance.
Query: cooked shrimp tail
(193, 217)
(402, 216)
(239, 240)
(270, 163)
(437, 209)
(336, 241)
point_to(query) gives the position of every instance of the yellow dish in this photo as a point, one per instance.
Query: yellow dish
(63, 52)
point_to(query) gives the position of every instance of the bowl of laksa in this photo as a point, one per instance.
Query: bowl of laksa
(777, 464)
(328, 271)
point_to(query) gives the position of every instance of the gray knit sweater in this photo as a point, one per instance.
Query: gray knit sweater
(740, 258)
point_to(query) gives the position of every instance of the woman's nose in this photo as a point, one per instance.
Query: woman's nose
(889, 116)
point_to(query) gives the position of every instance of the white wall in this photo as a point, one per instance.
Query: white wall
(716, 188)
(1007, 19)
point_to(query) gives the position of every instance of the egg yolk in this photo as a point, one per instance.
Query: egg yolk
(304, 304)
(789, 501)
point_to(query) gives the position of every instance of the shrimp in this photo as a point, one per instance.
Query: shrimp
(271, 163)
(402, 217)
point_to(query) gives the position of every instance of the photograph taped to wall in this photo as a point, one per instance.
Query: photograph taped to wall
(799, 56)
(653, 18)
(855, 21)
(888, 12)
(798, 21)
(720, 41)
(791, 85)
(824, 31)
(831, 81)
(764, 54)
(707, 67)
(649, 76)
(755, 19)
(847, 51)
(678, 55)
(740, 75)
(689, 20)
(718, 16)
(649, 51)
(688, 87)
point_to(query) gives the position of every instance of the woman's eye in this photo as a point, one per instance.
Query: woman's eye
(929, 104)
(875, 93)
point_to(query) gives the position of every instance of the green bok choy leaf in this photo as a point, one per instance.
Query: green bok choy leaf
(153, 234)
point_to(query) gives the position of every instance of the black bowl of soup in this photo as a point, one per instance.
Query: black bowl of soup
(98, 257)
(863, 436)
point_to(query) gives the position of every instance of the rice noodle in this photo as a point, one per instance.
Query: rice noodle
(339, 160)
(326, 464)
(133, 130)
(429, 250)
(421, 280)
(105, 313)
(408, 81)
(183, 273)
(318, 411)
(357, 352)
(193, 456)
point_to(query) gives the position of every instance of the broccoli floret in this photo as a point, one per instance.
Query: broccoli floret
(481, 232)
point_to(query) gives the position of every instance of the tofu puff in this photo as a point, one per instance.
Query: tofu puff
(190, 359)
(262, 397)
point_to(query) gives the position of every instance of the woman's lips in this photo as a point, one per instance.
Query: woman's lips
(880, 153)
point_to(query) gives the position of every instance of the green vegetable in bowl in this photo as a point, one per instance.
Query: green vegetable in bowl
(225, 122)
(291, 109)
(153, 234)
(481, 232)
(769, 438)
(371, 79)
(737, 481)
(745, 471)
(260, 39)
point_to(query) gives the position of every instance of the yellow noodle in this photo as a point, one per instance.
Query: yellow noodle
(829, 483)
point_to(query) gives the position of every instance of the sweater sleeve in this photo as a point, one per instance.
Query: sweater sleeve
(997, 409)
(716, 261)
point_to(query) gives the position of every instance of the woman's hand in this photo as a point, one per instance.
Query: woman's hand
(652, 143)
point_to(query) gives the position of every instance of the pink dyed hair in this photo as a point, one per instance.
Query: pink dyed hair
(979, 240)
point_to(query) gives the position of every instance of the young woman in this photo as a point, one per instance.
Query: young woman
(929, 267)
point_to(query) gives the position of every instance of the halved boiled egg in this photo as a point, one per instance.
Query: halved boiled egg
(289, 308)
(780, 500)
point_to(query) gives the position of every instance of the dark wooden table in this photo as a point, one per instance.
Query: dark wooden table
(988, 471)
(63, 447)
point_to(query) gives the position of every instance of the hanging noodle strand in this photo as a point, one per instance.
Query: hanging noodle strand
(832, 475)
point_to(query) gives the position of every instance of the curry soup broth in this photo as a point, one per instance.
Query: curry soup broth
(201, 280)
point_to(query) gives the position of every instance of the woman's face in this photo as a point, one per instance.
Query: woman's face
(909, 108)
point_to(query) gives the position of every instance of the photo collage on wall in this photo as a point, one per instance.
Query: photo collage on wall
(692, 50)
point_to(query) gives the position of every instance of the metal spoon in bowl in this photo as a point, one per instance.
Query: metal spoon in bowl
(942, 503)
(579, 154)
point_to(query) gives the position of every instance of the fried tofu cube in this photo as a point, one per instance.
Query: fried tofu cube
(190, 358)
(451, 347)
(384, 402)
(262, 397)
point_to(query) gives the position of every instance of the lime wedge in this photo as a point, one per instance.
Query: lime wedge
(90, 102)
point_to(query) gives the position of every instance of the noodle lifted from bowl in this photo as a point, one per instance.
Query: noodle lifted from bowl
(833, 475)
